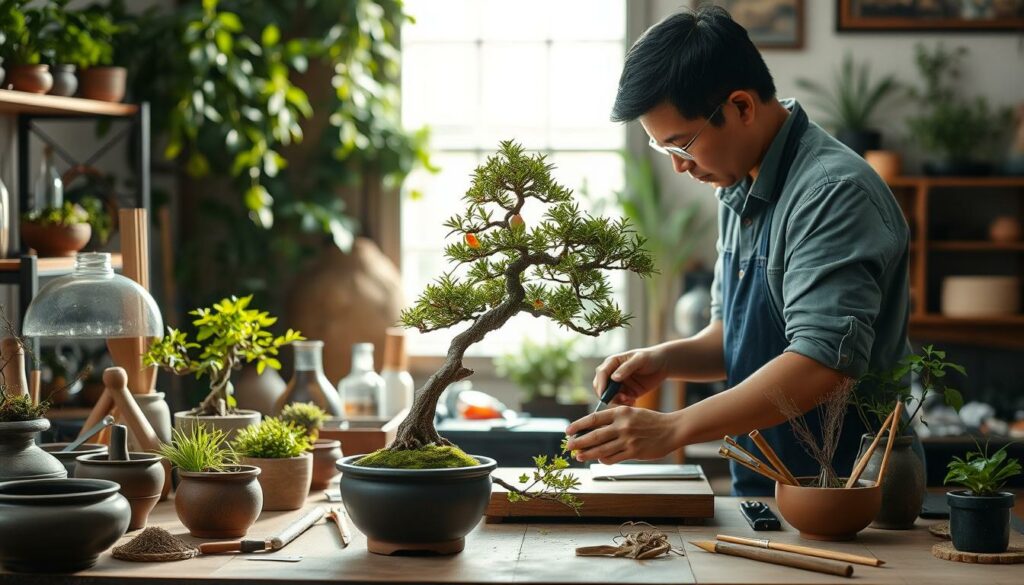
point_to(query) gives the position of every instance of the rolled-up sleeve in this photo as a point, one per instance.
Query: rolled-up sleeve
(838, 246)
(716, 289)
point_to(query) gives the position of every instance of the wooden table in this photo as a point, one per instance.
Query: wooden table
(536, 553)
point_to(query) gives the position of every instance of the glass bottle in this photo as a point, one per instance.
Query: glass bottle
(5, 217)
(361, 390)
(308, 383)
(398, 384)
(48, 191)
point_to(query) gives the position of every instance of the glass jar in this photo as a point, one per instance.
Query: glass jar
(48, 191)
(308, 383)
(362, 389)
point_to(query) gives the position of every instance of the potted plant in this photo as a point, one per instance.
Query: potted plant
(550, 377)
(23, 42)
(874, 397)
(850, 104)
(232, 334)
(422, 492)
(960, 134)
(72, 39)
(99, 78)
(216, 497)
(979, 517)
(20, 421)
(326, 452)
(281, 451)
(57, 231)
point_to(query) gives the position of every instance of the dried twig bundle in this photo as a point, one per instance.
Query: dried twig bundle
(831, 411)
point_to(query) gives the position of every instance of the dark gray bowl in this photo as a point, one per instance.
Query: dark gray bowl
(415, 509)
(68, 457)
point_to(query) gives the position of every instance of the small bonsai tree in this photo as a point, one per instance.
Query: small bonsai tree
(305, 415)
(199, 450)
(981, 474)
(553, 270)
(271, 438)
(233, 334)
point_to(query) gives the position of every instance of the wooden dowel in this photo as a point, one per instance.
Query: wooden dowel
(772, 457)
(859, 468)
(754, 460)
(99, 410)
(752, 466)
(802, 550)
(777, 557)
(893, 430)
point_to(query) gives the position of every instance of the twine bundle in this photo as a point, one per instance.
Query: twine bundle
(634, 544)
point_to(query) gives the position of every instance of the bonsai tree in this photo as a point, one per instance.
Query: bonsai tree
(552, 270)
(233, 334)
(305, 415)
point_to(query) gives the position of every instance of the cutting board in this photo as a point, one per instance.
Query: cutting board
(689, 500)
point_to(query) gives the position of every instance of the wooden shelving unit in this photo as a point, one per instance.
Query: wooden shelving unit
(916, 195)
(19, 102)
(52, 266)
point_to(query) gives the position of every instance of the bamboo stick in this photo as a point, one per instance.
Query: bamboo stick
(892, 439)
(752, 465)
(772, 457)
(777, 557)
(859, 468)
(802, 550)
(754, 459)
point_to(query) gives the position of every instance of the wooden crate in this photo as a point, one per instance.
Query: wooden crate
(366, 435)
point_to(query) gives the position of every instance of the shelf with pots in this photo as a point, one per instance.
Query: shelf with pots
(13, 102)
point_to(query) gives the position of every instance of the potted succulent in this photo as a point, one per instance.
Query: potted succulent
(232, 334)
(979, 517)
(22, 47)
(326, 452)
(874, 397)
(57, 231)
(422, 492)
(281, 452)
(216, 497)
(550, 377)
(20, 421)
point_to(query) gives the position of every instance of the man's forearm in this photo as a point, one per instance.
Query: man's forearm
(696, 359)
(748, 406)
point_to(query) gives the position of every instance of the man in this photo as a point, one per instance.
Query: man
(811, 282)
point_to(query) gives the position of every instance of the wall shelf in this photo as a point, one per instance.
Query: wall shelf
(20, 102)
(979, 246)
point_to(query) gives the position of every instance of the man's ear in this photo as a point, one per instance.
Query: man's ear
(746, 105)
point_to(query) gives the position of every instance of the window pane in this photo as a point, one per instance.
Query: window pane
(442, 20)
(514, 94)
(584, 77)
(451, 109)
(516, 20)
(590, 20)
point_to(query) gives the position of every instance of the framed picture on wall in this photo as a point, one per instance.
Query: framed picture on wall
(771, 24)
(930, 15)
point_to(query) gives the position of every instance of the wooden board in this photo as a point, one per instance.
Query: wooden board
(623, 500)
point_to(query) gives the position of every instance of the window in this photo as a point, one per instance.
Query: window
(478, 72)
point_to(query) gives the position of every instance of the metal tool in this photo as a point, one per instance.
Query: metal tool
(611, 390)
(276, 542)
(106, 422)
(278, 558)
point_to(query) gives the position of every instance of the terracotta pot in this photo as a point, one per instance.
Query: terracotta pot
(30, 78)
(59, 525)
(1005, 229)
(888, 164)
(20, 458)
(904, 488)
(980, 296)
(3, 74)
(68, 457)
(326, 452)
(285, 482)
(141, 478)
(229, 425)
(219, 504)
(259, 392)
(64, 81)
(103, 83)
(55, 240)
(828, 513)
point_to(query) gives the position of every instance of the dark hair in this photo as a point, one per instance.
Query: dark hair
(693, 59)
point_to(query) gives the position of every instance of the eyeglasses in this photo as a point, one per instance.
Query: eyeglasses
(683, 151)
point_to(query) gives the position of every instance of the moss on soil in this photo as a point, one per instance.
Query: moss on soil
(429, 457)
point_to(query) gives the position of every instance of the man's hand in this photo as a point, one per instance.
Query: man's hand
(639, 370)
(624, 433)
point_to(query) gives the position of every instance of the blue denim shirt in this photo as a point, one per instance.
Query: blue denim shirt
(838, 257)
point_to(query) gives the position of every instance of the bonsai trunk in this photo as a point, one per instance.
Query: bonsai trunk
(216, 402)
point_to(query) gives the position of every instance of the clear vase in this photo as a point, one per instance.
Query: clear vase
(362, 389)
(308, 383)
(48, 190)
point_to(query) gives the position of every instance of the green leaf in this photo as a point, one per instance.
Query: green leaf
(271, 35)
(953, 398)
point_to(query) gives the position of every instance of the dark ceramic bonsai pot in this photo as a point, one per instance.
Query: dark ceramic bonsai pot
(415, 509)
(20, 458)
(980, 524)
(68, 457)
(59, 525)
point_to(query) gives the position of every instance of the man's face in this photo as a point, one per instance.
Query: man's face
(717, 152)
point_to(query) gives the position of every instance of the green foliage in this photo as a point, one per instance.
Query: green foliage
(427, 457)
(850, 104)
(550, 480)
(20, 407)
(22, 36)
(271, 438)
(232, 334)
(305, 415)
(82, 38)
(543, 370)
(951, 126)
(99, 219)
(198, 450)
(875, 394)
(981, 474)
(66, 215)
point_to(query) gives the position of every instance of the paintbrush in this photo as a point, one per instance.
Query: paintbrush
(802, 550)
(776, 557)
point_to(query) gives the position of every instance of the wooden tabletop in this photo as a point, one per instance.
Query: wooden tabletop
(536, 553)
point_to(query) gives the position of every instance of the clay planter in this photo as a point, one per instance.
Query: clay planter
(219, 504)
(904, 488)
(20, 458)
(229, 424)
(59, 525)
(103, 83)
(979, 524)
(30, 78)
(828, 513)
(64, 81)
(55, 240)
(326, 453)
(68, 458)
(416, 509)
(141, 478)
(285, 482)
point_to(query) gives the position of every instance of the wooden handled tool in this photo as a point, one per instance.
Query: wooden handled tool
(777, 557)
(893, 431)
(772, 457)
(802, 550)
(859, 468)
(276, 542)
(339, 517)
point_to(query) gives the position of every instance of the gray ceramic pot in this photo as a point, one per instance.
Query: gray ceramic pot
(20, 458)
(64, 81)
(68, 457)
(415, 509)
(229, 425)
(903, 490)
(59, 525)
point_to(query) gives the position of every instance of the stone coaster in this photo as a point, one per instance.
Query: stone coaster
(941, 530)
(945, 550)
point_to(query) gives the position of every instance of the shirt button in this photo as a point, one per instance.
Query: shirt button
(747, 222)
(741, 274)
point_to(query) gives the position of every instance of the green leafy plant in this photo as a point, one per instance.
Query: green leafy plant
(198, 450)
(980, 473)
(99, 219)
(23, 32)
(305, 415)
(952, 127)
(14, 408)
(66, 215)
(876, 393)
(233, 334)
(854, 97)
(271, 438)
(82, 38)
(543, 370)
(549, 481)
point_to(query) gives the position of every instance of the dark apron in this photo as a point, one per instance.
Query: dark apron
(755, 335)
